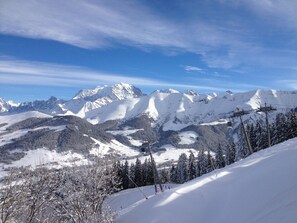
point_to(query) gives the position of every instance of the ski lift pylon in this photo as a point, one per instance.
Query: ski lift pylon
(229, 124)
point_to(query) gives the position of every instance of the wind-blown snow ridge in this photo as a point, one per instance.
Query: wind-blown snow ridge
(259, 189)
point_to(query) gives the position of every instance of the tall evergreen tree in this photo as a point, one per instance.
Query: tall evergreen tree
(164, 176)
(150, 174)
(125, 175)
(252, 136)
(230, 154)
(182, 168)
(173, 174)
(210, 162)
(261, 136)
(145, 172)
(281, 125)
(202, 163)
(220, 161)
(191, 166)
(138, 177)
(118, 170)
(292, 132)
(242, 148)
(132, 175)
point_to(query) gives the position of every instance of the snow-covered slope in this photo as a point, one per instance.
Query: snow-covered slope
(259, 189)
(8, 120)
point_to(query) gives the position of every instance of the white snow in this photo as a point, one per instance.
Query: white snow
(168, 153)
(8, 137)
(12, 119)
(175, 111)
(219, 122)
(126, 200)
(259, 189)
(127, 133)
(44, 156)
(188, 137)
(102, 149)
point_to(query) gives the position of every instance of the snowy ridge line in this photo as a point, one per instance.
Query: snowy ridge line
(169, 108)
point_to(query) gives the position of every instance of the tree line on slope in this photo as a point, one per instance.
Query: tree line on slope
(187, 168)
(283, 127)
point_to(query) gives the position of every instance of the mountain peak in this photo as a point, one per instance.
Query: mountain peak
(6, 105)
(118, 91)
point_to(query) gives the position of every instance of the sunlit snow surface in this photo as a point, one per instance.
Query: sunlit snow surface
(259, 189)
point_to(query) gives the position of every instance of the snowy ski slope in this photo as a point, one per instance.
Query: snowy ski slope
(260, 189)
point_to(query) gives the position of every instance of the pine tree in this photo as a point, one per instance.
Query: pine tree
(261, 137)
(125, 175)
(132, 175)
(149, 177)
(144, 169)
(138, 177)
(173, 174)
(117, 169)
(182, 168)
(220, 162)
(202, 163)
(164, 176)
(242, 149)
(281, 124)
(191, 166)
(230, 154)
(252, 135)
(210, 162)
(292, 132)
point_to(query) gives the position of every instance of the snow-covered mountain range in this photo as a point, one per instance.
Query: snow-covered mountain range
(119, 119)
(171, 109)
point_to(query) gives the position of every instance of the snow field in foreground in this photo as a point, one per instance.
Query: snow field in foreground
(260, 189)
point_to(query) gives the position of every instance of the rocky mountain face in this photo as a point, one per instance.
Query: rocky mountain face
(60, 133)
(50, 106)
(5, 106)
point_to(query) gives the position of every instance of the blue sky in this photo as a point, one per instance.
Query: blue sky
(54, 47)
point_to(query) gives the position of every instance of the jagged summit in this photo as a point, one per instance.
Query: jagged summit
(5, 106)
(116, 92)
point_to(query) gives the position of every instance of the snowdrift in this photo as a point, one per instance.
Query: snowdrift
(259, 189)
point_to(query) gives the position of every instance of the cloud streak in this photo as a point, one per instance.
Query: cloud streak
(20, 72)
(107, 23)
(192, 68)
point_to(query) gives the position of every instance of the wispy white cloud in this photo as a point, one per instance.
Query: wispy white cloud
(288, 83)
(192, 68)
(280, 12)
(227, 44)
(20, 72)
(87, 24)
